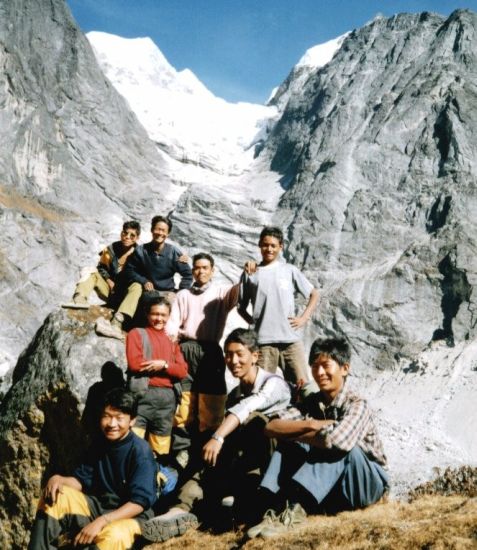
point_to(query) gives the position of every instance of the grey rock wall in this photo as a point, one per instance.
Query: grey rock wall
(380, 153)
(74, 164)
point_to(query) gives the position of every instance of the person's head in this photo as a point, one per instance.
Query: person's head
(158, 310)
(118, 414)
(160, 229)
(270, 243)
(130, 233)
(202, 268)
(241, 352)
(330, 363)
(112, 375)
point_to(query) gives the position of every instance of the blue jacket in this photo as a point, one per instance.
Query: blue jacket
(145, 265)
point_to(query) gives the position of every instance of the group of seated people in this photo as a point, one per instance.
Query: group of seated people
(279, 446)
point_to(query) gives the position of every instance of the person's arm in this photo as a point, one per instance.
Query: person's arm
(345, 433)
(244, 299)
(298, 322)
(134, 269)
(104, 267)
(174, 322)
(134, 351)
(212, 448)
(231, 297)
(55, 486)
(184, 270)
(294, 430)
(89, 532)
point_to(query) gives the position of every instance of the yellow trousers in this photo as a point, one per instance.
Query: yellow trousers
(70, 513)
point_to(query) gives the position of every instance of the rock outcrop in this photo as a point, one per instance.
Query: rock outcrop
(40, 428)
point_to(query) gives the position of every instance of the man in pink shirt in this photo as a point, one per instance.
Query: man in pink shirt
(198, 320)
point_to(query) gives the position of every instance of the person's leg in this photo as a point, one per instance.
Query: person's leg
(86, 285)
(186, 416)
(364, 481)
(70, 513)
(210, 386)
(295, 363)
(159, 408)
(269, 357)
(118, 535)
(129, 304)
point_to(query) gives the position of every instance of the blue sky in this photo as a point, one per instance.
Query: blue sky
(240, 49)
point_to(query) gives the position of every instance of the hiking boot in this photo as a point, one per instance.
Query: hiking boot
(269, 518)
(172, 524)
(104, 328)
(290, 517)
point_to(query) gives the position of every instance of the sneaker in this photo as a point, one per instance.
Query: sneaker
(290, 517)
(166, 526)
(104, 328)
(228, 501)
(182, 458)
(269, 518)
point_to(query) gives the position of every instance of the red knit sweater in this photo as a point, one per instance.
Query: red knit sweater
(162, 348)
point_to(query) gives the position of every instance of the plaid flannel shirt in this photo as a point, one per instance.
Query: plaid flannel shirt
(353, 423)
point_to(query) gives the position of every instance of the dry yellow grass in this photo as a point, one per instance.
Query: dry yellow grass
(429, 522)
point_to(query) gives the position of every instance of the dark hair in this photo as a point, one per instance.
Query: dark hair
(244, 336)
(155, 301)
(203, 256)
(121, 400)
(271, 231)
(131, 224)
(337, 348)
(158, 219)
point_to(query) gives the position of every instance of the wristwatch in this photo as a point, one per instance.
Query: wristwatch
(218, 438)
(166, 365)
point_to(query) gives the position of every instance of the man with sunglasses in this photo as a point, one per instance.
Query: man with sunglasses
(108, 280)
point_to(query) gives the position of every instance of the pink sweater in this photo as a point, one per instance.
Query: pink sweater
(201, 316)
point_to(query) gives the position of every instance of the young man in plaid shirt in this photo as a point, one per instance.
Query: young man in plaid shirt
(329, 457)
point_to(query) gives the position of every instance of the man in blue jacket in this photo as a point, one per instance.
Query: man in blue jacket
(108, 496)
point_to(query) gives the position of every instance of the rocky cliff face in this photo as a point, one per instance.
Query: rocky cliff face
(74, 164)
(370, 169)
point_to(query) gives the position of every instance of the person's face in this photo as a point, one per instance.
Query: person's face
(160, 232)
(129, 237)
(202, 271)
(329, 374)
(115, 424)
(239, 359)
(158, 316)
(270, 248)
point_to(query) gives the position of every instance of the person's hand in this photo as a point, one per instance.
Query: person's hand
(184, 259)
(110, 283)
(153, 365)
(52, 488)
(250, 267)
(297, 322)
(148, 286)
(90, 531)
(211, 451)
